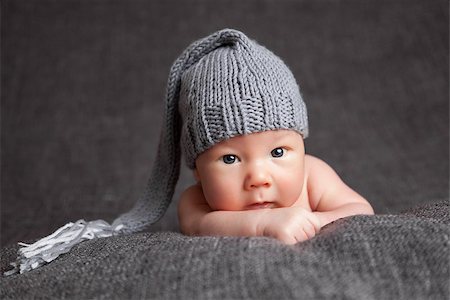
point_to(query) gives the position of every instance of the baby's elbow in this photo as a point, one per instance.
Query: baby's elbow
(366, 209)
(188, 225)
(186, 228)
(361, 206)
(191, 222)
(192, 209)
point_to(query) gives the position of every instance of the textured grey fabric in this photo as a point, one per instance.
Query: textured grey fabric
(361, 257)
(80, 119)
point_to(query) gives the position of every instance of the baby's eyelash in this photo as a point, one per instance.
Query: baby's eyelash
(278, 152)
(229, 159)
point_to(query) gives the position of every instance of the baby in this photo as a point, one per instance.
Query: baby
(263, 184)
(256, 181)
(234, 110)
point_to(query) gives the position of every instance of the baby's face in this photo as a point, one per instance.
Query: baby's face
(260, 170)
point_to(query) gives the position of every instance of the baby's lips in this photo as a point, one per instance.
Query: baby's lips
(260, 205)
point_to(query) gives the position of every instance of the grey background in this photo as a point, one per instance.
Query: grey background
(83, 85)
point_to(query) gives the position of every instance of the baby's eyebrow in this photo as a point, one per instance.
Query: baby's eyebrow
(282, 137)
(223, 149)
(226, 150)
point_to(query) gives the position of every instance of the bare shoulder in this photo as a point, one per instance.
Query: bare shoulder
(326, 188)
(320, 178)
(192, 196)
(192, 206)
(192, 191)
(316, 166)
(309, 159)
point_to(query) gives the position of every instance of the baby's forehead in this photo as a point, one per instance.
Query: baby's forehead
(268, 136)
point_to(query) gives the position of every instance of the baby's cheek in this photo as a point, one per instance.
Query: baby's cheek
(291, 187)
(218, 194)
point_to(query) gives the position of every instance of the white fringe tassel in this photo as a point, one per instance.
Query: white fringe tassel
(32, 256)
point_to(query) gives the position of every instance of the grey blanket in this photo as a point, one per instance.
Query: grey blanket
(363, 257)
(82, 89)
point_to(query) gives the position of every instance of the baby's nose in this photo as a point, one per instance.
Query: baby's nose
(257, 176)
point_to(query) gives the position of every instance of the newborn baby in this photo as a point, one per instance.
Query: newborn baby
(263, 184)
(235, 112)
(243, 124)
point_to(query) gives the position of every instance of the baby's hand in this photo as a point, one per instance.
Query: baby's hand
(290, 224)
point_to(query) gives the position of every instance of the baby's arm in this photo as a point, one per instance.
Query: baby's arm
(330, 197)
(289, 225)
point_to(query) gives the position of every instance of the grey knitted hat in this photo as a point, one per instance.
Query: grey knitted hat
(233, 86)
(220, 86)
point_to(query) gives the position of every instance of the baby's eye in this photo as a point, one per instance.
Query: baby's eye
(229, 158)
(277, 152)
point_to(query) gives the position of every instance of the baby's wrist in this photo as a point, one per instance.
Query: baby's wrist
(262, 221)
(323, 218)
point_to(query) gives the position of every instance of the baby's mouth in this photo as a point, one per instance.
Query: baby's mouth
(260, 205)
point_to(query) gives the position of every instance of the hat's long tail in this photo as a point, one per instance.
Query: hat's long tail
(151, 206)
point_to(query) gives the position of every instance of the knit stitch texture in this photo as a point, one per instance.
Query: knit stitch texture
(239, 88)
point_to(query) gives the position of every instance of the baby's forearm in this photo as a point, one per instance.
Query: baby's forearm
(230, 223)
(288, 224)
(346, 210)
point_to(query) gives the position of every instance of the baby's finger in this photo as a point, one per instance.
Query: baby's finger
(289, 240)
(301, 236)
(316, 223)
(309, 230)
(286, 237)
